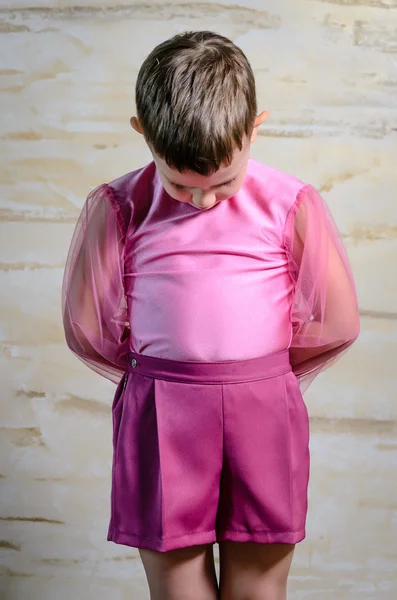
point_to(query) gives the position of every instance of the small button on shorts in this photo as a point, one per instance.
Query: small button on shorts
(206, 452)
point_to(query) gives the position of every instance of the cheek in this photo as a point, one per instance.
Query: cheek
(224, 196)
(180, 195)
(238, 184)
(231, 191)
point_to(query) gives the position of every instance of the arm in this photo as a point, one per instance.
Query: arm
(93, 302)
(325, 315)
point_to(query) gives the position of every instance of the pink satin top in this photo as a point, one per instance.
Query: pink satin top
(258, 273)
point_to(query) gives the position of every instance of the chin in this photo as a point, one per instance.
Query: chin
(202, 209)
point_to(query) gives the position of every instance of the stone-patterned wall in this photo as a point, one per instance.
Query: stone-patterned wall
(327, 71)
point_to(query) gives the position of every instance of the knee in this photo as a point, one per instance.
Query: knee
(164, 593)
(187, 596)
(268, 591)
(275, 590)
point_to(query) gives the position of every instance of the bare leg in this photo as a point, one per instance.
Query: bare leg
(183, 574)
(251, 571)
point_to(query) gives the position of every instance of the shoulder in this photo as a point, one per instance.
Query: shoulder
(275, 195)
(132, 190)
(274, 184)
(126, 185)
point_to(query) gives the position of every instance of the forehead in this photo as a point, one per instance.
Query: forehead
(191, 179)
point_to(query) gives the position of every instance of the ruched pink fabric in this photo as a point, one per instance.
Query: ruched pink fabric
(261, 272)
(325, 316)
(94, 307)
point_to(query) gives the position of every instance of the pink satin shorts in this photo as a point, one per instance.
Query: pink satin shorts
(206, 452)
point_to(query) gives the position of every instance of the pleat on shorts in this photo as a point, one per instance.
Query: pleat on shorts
(206, 452)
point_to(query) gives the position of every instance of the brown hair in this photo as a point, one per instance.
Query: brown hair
(196, 99)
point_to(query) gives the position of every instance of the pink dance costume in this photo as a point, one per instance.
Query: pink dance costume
(212, 323)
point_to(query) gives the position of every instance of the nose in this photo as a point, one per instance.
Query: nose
(203, 200)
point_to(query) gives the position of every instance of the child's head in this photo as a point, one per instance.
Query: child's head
(196, 107)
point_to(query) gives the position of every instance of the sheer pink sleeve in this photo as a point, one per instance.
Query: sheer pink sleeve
(93, 301)
(325, 317)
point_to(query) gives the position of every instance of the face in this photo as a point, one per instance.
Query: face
(204, 191)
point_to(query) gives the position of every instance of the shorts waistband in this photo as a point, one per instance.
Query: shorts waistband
(232, 371)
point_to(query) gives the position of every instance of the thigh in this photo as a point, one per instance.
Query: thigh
(182, 574)
(254, 571)
(165, 483)
(266, 462)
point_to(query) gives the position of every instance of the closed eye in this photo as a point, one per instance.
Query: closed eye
(226, 183)
(229, 182)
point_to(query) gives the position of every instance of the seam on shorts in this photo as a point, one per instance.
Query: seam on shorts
(163, 539)
(160, 460)
(223, 425)
(116, 451)
(210, 382)
(270, 531)
(221, 478)
(221, 475)
(289, 450)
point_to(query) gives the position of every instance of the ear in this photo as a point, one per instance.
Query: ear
(136, 125)
(258, 121)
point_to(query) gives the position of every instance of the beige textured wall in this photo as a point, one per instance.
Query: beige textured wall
(327, 71)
